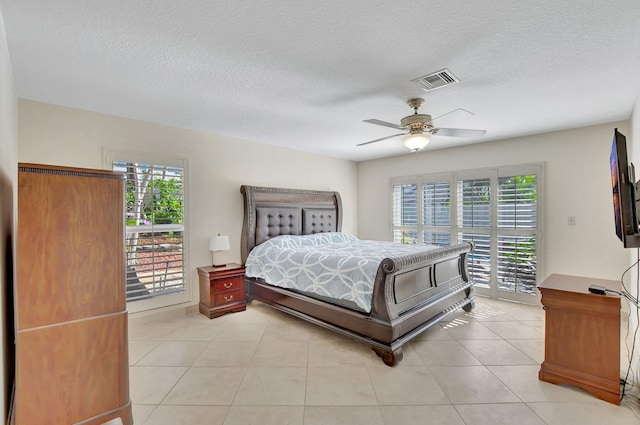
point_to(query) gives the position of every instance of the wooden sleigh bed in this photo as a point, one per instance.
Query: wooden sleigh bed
(411, 293)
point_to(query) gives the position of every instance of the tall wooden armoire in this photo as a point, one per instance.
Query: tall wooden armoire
(71, 317)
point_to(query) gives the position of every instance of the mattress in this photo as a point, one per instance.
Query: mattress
(331, 266)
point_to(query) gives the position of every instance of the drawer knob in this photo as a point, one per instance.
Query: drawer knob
(228, 298)
(228, 285)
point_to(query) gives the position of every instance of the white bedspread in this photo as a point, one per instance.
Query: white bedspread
(334, 265)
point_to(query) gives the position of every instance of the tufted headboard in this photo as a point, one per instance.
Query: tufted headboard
(270, 211)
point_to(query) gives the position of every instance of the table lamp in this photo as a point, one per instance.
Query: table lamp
(217, 244)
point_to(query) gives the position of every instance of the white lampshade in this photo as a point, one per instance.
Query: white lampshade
(219, 243)
(416, 142)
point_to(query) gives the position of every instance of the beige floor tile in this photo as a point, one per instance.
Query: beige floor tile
(498, 414)
(174, 353)
(149, 385)
(141, 412)
(435, 333)
(199, 328)
(265, 415)
(579, 413)
(472, 384)
(535, 324)
(489, 313)
(241, 332)
(335, 352)
(406, 386)
(523, 311)
(272, 386)
(339, 386)
(344, 381)
(465, 329)
(524, 382)
(296, 330)
(187, 415)
(281, 353)
(206, 386)
(514, 330)
(227, 353)
(147, 329)
(342, 415)
(533, 348)
(444, 353)
(138, 349)
(496, 352)
(422, 415)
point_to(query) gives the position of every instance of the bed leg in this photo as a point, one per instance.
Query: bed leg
(390, 358)
(469, 306)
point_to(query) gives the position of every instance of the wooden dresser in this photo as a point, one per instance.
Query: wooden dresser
(71, 318)
(582, 335)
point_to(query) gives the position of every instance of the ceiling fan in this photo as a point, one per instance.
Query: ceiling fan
(418, 128)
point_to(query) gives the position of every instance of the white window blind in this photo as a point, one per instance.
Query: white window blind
(474, 203)
(474, 223)
(154, 229)
(436, 209)
(405, 213)
(496, 209)
(517, 230)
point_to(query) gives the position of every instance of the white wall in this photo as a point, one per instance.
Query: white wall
(8, 208)
(633, 145)
(577, 183)
(51, 134)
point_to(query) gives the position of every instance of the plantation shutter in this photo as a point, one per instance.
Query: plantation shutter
(436, 213)
(495, 208)
(405, 213)
(474, 225)
(517, 229)
(154, 229)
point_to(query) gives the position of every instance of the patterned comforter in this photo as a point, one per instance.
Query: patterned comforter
(332, 265)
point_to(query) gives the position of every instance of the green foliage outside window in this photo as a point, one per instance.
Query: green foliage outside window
(161, 203)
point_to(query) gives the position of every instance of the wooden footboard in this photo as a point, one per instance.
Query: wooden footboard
(411, 294)
(407, 286)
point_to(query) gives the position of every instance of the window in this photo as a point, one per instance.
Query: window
(517, 233)
(405, 213)
(496, 209)
(155, 231)
(436, 213)
(474, 225)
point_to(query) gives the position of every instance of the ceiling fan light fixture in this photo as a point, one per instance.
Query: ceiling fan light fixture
(416, 142)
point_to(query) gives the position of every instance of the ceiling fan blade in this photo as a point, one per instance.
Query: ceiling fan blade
(385, 124)
(459, 132)
(451, 112)
(382, 138)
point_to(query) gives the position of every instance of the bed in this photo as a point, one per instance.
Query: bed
(410, 290)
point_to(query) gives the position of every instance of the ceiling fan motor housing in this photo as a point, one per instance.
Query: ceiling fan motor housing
(417, 122)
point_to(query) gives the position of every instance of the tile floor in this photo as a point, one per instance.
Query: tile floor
(265, 367)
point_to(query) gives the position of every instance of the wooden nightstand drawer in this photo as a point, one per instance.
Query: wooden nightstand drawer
(229, 297)
(228, 284)
(221, 290)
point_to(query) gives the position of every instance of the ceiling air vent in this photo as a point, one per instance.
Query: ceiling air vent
(436, 80)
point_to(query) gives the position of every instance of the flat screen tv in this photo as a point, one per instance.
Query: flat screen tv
(624, 192)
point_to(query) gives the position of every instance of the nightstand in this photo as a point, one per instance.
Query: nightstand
(221, 290)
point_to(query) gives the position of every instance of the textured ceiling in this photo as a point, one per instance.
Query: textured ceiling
(305, 74)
